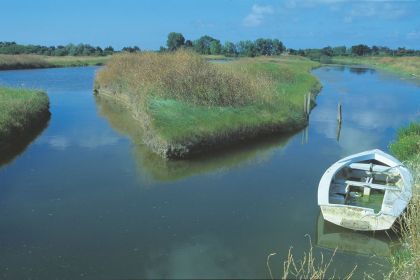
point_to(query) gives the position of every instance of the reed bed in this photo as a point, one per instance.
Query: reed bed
(27, 61)
(407, 65)
(309, 266)
(187, 104)
(23, 61)
(19, 109)
(406, 261)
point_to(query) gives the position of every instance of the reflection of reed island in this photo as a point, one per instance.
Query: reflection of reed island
(154, 167)
(19, 139)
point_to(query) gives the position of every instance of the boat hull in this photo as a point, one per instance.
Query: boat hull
(356, 218)
(338, 183)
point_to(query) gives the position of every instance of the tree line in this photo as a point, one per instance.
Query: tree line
(356, 50)
(69, 49)
(209, 45)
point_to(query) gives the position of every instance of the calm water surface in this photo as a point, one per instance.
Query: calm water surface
(86, 199)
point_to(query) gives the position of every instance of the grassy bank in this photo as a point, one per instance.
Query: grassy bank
(20, 109)
(186, 105)
(406, 262)
(407, 66)
(23, 61)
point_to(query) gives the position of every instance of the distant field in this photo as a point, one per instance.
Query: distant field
(186, 104)
(23, 61)
(408, 65)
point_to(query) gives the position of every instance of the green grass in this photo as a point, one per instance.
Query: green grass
(406, 261)
(23, 61)
(407, 66)
(19, 109)
(187, 104)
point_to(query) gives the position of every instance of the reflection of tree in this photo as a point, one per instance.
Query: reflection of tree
(17, 144)
(152, 165)
(361, 70)
(333, 237)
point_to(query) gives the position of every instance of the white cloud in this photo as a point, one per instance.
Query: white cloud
(257, 15)
(413, 35)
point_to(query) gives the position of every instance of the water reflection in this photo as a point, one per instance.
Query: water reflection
(9, 150)
(373, 104)
(333, 237)
(153, 167)
(361, 70)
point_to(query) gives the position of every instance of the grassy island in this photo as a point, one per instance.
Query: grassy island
(31, 61)
(185, 104)
(20, 111)
(404, 65)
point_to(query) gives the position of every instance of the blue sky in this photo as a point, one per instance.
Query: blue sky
(299, 24)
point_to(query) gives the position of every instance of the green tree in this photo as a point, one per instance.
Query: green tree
(360, 50)
(247, 48)
(202, 45)
(328, 51)
(278, 47)
(264, 46)
(108, 50)
(229, 49)
(340, 50)
(175, 41)
(215, 47)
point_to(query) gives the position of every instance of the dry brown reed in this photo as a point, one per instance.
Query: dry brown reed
(184, 76)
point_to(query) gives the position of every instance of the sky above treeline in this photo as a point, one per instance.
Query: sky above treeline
(299, 24)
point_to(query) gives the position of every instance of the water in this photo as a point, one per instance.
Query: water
(86, 199)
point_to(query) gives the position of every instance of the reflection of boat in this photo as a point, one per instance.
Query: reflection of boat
(365, 191)
(330, 236)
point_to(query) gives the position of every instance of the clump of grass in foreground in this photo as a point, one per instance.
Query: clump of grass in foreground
(409, 66)
(406, 261)
(186, 104)
(308, 267)
(19, 109)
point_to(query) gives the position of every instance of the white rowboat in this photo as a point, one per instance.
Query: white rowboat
(365, 191)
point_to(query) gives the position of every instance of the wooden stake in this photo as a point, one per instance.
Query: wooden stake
(339, 113)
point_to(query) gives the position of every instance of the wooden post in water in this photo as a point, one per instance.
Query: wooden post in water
(308, 106)
(339, 113)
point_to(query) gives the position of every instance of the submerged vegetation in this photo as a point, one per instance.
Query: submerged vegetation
(186, 105)
(406, 262)
(20, 110)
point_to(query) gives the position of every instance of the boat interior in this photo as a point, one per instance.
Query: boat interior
(365, 184)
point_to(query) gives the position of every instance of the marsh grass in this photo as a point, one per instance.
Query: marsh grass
(23, 61)
(26, 61)
(187, 104)
(19, 109)
(309, 266)
(406, 261)
(408, 66)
